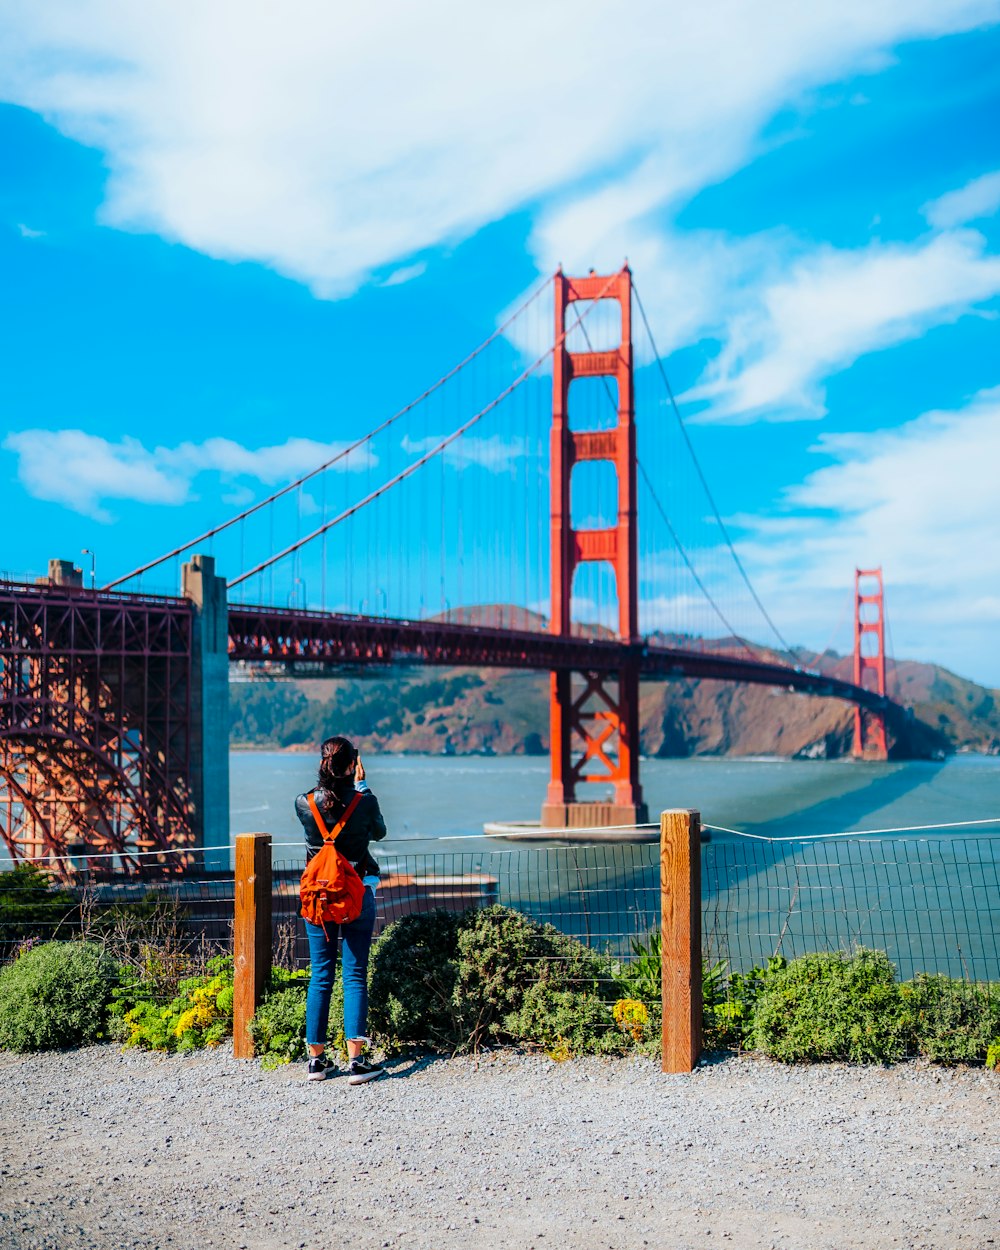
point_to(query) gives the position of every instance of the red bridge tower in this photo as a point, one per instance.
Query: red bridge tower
(594, 716)
(869, 662)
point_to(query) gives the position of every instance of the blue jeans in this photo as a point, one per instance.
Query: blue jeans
(323, 971)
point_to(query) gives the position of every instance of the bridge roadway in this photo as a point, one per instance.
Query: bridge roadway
(293, 636)
(90, 620)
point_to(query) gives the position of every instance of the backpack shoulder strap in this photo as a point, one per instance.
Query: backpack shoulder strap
(331, 835)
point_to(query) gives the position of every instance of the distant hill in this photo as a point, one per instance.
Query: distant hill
(500, 712)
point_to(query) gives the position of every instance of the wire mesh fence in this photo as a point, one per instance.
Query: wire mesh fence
(931, 903)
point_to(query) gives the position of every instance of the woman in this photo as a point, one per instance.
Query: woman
(341, 777)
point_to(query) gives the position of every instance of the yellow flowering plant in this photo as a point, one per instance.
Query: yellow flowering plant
(201, 1013)
(632, 1017)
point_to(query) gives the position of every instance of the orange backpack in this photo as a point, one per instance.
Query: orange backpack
(330, 890)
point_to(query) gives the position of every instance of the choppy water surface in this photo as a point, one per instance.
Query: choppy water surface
(429, 797)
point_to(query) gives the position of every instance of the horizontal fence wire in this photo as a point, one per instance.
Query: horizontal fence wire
(931, 903)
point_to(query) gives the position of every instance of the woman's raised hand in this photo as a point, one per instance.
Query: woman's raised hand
(359, 770)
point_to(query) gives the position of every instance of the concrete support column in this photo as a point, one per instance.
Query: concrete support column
(209, 709)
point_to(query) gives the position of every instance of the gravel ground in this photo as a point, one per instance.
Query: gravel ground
(103, 1149)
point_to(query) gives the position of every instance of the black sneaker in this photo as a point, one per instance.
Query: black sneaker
(361, 1071)
(320, 1068)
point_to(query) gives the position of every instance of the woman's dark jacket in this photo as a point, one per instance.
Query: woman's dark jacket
(365, 825)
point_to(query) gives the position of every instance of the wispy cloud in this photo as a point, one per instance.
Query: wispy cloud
(91, 471)
(406, 274)
(492, 452)
(314, 144)
(922, 502)
(26, 232)
(977, 199)
(833, 307)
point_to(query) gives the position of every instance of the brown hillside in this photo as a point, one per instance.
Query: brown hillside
(456, 711)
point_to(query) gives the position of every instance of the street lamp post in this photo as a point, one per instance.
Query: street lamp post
(85, 551)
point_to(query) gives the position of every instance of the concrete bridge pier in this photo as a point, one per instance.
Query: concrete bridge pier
(209, 709)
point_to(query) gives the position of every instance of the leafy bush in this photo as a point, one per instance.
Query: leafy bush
(951, 1021)
(56, 995)
(278, 1027)
(578, 1021)
(490, 975)
(521, 981)
(726, 1001)
(831, 1006)
(641, 976)
(201, 1013)
(993, 1055)
(729, 1002)
(412, 980)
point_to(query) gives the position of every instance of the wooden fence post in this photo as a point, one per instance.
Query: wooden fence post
(680, 953)
(251, 934)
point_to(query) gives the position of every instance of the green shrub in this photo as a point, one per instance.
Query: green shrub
(490, 976)
(278, 1027)
(727, 1001)
(641, 977)
(993, 1054)
(575, 1020)
(515, 974)
(412, 980)
(56, 995)
(951, 1021)
(200, 1014)
(831, 1006)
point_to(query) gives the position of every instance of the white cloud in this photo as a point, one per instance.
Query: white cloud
(270, 465)
(833, 307)
(334, 141)
(493, 452)
(83, 471)
(26, 232)
(921, 501)
(979, 198)
(406, 274)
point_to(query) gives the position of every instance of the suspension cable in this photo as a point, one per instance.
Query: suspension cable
(429, 455)
(701, 475)
(344, 452)
(670, 528)
(690, 567)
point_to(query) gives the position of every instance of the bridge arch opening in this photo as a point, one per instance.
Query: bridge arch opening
(593, 325)
(593, 495)
(594, 600)
(593, 404)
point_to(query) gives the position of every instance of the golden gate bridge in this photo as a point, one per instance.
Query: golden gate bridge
(493, 521)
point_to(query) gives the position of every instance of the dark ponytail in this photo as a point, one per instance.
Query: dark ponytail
(336, 766)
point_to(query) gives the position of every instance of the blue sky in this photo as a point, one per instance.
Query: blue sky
(232, 239)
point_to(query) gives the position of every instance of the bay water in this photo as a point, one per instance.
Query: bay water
(427, 798)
